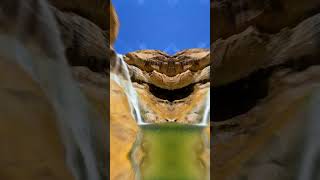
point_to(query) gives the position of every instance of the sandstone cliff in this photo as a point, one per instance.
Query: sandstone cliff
(265, 83)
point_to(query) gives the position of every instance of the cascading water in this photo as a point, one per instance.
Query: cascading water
(206, 114)
(309, 162)
(119, 73)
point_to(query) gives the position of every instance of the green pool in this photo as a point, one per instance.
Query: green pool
(172, 152)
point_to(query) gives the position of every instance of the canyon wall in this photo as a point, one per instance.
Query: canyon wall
(265, 88)
(53, 90)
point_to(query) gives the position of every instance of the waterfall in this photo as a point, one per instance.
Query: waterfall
(39, 52)
(119, 73)
(206, 114)
(309, 163)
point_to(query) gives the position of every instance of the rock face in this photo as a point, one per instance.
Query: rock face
(85, 42)
(123, 132)
(153, 60)
(251, 50)
(265, 87)
(95, 11)
(171, 88)
(231, 17)
(169, 72)
(184, 110)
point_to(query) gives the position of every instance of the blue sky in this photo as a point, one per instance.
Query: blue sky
(168, 25)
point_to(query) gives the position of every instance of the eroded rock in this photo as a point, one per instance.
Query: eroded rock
(169, 72)
(85, 43)
(247, 52)
(171, 88)
(95, 11)
(272, 75)
(268, 138)
(234, 16)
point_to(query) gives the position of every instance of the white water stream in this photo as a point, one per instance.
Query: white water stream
(206, 114)
(39, 53)
(119, 73)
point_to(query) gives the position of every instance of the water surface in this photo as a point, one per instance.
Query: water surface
(171, 151)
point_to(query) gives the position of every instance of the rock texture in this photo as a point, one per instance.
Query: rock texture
(244, 53)
(171, 88)
(94, 11)
(169, 72)
(185, 110)
(85, 43)
(231, 17)
(154, 60)
(265, 87)
(99, 12)
(123, 132)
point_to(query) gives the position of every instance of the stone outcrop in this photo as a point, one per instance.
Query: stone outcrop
(85, 43)
(169, 72)
(231, 17)
(171, 88)
(95, 11)
(186, 109)
(269, 138)
(154, 60)
(265, 88)
(244, 53)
